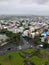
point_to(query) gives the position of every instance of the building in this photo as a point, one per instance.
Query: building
(44, 34)
(48, 38)
(38, 31)
(3, 39)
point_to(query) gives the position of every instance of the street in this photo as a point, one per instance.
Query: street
(25, 43)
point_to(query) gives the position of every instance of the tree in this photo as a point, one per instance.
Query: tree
(12, 37)
(0, 64)
(9, 57)
(32, 63)
(45, 45)
(37, 40)
(46, 63)
(36, 52)
(21, 24)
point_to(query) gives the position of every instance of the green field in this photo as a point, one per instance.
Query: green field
(14, 58)
(40, 59)
(29, 50)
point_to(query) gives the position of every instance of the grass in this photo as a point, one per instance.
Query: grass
(40, 61)
(16, 59)
(28, 50)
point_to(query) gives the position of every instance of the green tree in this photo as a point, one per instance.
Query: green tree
(9, 57)
(12, 37)
(46, 63)
(0, 64)
(37, 40)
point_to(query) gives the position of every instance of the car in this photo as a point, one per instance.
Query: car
(20, 47)
(41, 45)
(31, 46)
(27, 42)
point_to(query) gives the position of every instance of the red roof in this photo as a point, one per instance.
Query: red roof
(33, 25)
(47, 37)
(38, 31)
(10, 27)
(28, 32)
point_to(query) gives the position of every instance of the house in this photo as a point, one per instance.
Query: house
(11, 26)
(5, 27)
(3, 39)
(21, 29)
(32, 29)
(43, 39)
(44, 34)
(26, 33)
(16, 30)
(38, 31)
(33, 34)
(47, 38)
(0, 26)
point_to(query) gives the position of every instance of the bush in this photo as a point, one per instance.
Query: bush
(9, 57)
(45, 45)
(12, 37)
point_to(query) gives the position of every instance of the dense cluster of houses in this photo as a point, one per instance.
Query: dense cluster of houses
(27, 28)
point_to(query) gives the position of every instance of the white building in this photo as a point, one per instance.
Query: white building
(31, 28)
(33, 34)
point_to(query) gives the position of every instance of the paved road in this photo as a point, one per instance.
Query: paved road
(25, 44)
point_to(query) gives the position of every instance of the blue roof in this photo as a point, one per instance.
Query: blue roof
(43, 38)
(45, 33)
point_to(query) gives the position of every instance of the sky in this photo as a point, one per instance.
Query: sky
(24, 7)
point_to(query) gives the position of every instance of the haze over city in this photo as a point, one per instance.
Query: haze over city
(22, 7)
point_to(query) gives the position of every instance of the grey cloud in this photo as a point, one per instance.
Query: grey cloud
(24, 7)
(3, 0)
(41, 1)
(35, 1)
(29, 1)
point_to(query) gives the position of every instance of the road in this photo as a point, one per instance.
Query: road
(25, 43)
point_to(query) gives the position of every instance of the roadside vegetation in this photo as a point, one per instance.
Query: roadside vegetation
(12, 37)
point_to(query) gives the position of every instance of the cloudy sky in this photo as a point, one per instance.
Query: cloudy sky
(34, 7)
